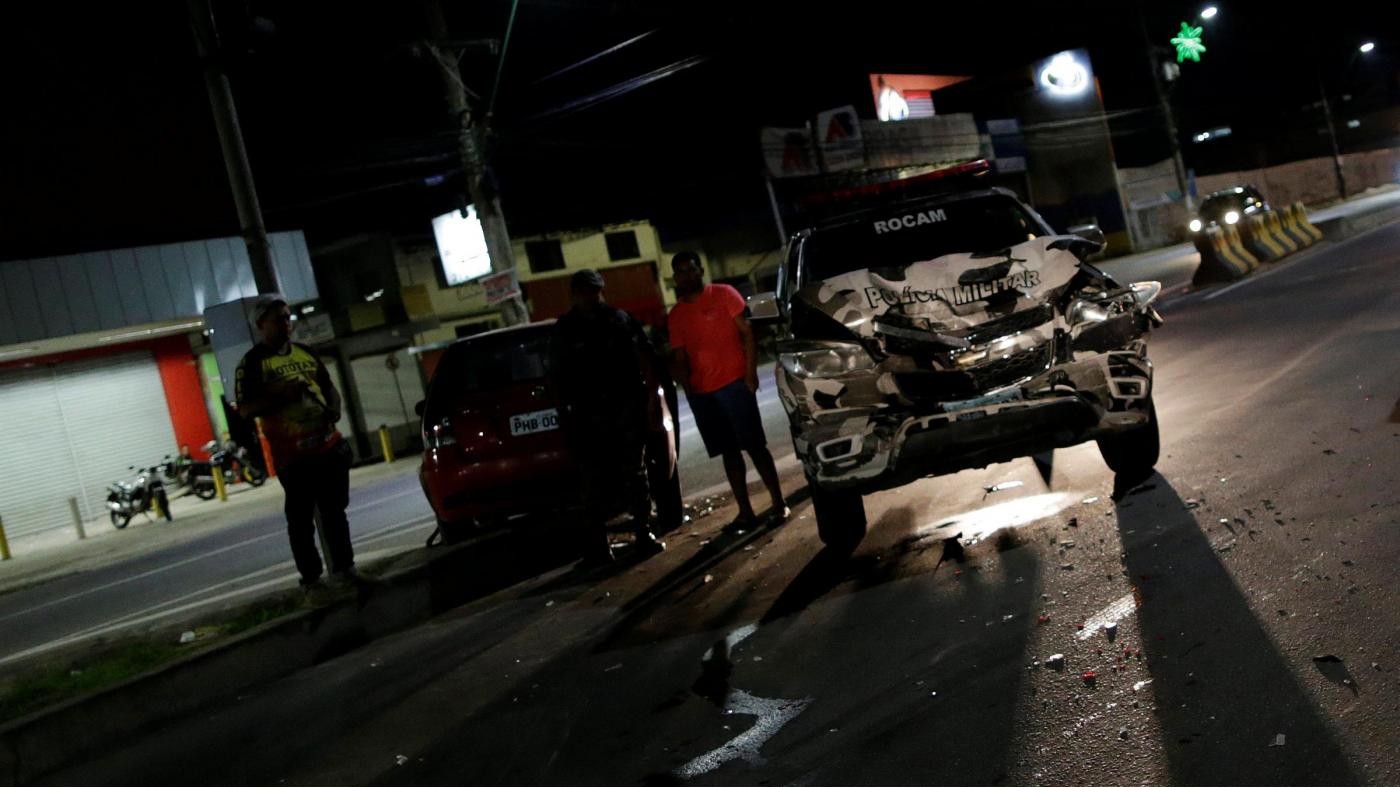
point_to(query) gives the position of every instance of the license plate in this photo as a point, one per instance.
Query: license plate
(530, 423)
(1000, 397)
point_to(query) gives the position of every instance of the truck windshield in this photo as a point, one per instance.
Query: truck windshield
(910, 234)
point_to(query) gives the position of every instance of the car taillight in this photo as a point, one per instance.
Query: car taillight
(439, 434)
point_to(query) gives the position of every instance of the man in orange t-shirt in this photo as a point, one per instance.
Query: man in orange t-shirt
(715, 358)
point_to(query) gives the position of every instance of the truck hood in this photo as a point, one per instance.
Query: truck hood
(952, 294)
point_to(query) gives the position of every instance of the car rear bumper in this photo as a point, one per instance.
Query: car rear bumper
(460, 490)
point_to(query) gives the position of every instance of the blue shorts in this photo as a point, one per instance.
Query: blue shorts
(728, 419)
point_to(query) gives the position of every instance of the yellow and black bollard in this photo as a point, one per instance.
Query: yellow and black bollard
(219, 484)
(385, 444)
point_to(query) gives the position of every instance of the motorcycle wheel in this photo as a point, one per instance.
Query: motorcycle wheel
(254, 475)
(119, 521)
(205, 492)
(164, 502)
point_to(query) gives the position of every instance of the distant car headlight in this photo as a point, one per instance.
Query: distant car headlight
(1232, 217)
(830, 360)
(1196, 225)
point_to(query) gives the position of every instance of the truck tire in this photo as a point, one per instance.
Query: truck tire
(1133, 453)
(840, 517)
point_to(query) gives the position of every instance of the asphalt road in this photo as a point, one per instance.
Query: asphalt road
(1267, 540)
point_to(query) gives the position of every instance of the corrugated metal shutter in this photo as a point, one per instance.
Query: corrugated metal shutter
(117, 416)
(37, 470)
(72, 429)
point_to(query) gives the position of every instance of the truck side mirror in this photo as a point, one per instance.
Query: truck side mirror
(1091, 233)
(763, 309)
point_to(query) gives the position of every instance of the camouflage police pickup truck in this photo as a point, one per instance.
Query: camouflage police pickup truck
(948, 333)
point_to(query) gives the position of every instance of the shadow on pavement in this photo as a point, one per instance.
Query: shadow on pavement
(1223, 690)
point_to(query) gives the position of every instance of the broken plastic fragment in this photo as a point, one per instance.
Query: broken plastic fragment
(1279, 740)
(1089, 500)
(1003, 486)
(1056, 661)
(613, 667)
(709, 578)
(1142, 684)
(400, 760)
(187, 638)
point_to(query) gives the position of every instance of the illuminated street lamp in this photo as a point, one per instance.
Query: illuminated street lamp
(1368, 46)
(1209, 12)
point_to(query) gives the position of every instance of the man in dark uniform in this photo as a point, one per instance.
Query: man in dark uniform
(603, 374)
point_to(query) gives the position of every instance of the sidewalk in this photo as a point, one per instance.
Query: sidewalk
(56, 552)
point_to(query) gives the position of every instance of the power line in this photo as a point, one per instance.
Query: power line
(594, 57)
(621, 88)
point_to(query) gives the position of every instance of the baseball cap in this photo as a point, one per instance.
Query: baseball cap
(586, 279)
(263, 305)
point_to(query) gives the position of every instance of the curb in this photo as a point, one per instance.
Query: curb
(49, 740)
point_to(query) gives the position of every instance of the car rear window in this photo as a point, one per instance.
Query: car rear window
(492, 363)
(911, 234)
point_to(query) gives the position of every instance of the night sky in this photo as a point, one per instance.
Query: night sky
(108, 140)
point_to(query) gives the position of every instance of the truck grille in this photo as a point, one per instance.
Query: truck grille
(1017, 366)
(1008, 325)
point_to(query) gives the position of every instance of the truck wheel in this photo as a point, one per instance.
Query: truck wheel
(840, 517)
(1133, 453)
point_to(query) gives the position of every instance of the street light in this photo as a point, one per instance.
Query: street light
(1368, 46)
(1209, 12)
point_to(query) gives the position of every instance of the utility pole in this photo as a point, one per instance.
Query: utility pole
(470, 139)
(240, 175)
(1168, 117)
(1332, 136)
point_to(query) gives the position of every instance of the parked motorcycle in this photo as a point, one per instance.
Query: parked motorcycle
(232, 460)
(142, 495)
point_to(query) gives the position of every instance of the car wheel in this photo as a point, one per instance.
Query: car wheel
(119, 521)
(456, 532)
(840, 517)
(1133, 453)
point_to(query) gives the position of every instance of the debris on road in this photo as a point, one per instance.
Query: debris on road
(1042, 620)
(1067, 567)
(1279, 740)
(1122, 733)
(1088, 501)
(1089, 677)
(1192, 504)
(617, 666)
(1002, 487)
(1074, 521)
(400, 760)
(1142, 684)
(1056, 662)
(709, 578)
(187, 638)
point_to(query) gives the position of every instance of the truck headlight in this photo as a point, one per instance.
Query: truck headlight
(828, 360)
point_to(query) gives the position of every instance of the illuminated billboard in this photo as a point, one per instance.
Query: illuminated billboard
(461, 244)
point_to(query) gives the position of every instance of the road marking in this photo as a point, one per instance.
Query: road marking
(772, 715)
(1112, 613)
(786, 463)
(382, 500)
(112, 627)
(135, 577)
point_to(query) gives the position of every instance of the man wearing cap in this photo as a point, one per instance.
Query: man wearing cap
(286, 385)
(716, 358)
(603, 368)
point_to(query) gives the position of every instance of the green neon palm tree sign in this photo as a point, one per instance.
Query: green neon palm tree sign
(1188, 44)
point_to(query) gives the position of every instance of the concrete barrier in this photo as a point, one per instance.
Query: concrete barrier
(1290, 228)
(1300, 217)
(1259, 240)
(1221, 257)
(1276, 231)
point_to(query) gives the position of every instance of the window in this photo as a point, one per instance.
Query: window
(622, 246)
(544, 255)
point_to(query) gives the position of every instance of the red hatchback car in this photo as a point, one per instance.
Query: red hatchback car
(493, 442)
